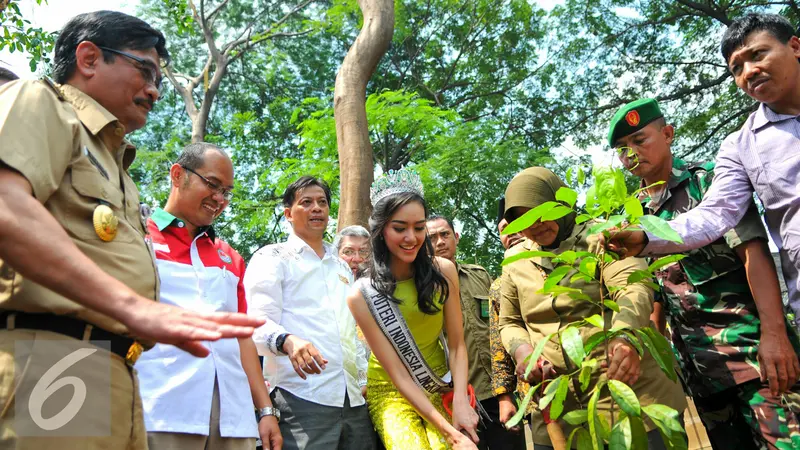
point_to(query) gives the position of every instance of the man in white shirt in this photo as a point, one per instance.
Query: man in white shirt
(314, 367)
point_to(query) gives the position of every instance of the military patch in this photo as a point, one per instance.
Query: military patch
(344, 279)
(632, 118)
(224, 257)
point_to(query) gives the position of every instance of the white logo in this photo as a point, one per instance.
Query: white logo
(48, 385)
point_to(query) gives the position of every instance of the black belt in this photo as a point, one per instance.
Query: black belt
(68, 326)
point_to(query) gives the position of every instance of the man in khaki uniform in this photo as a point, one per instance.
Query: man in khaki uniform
(474, 282)
(70, 224)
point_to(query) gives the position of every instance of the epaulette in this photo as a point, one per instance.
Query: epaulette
(707, 166)
(56, 88)
(472, 267)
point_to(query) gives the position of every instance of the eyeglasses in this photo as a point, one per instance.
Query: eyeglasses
(147, 69)
(227, 194)
(350, 253)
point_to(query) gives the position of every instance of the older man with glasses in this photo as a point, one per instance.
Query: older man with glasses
(352, 244)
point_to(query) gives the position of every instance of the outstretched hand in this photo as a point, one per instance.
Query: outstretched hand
(167, 324)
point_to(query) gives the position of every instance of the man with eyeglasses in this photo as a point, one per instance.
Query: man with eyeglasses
(722, 300)
(71, 225)
(201, 272)
(353, 245)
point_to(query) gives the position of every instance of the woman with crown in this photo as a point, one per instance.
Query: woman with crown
(405, 306)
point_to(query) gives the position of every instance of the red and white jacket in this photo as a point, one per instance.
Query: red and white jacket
(202, 274)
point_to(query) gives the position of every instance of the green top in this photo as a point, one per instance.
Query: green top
(474, 282)
(424, 327)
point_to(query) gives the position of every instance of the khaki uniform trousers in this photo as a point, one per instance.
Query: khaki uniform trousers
(126, 420)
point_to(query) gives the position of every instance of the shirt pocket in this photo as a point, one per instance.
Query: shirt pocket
(89, 190)
(482, 302)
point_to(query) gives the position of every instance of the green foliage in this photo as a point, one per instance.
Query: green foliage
(19, 36)
(610, 207)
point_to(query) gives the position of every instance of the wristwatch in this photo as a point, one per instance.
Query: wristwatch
(267, 411)
(280, 341)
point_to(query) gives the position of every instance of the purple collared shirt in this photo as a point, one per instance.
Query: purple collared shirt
(763, 156)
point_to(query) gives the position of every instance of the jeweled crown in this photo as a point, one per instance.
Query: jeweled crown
(395, 182)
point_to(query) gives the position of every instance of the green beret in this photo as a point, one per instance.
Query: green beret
(633, 117)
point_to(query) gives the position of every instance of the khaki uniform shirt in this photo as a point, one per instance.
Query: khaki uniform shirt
(72, 152)
(474, 282)
(527, 317)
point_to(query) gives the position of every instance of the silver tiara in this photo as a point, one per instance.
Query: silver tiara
(395, 182)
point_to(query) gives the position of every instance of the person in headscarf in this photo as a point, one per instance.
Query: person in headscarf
(527, 317)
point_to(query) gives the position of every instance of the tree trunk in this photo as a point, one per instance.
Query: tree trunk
(349, 110)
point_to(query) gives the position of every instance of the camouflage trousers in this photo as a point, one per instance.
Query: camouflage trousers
(749, 417)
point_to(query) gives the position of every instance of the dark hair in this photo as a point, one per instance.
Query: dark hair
(431, 284)
(7, 75)
(438, 216)
(193, 155)
(110, 29)
(734, 37)
(303, 182)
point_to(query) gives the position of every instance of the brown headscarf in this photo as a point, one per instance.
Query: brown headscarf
(532, 187)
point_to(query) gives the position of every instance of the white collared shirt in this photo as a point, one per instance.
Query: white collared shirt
(298, 292)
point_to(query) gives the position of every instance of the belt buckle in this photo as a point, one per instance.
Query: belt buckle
(134, 352)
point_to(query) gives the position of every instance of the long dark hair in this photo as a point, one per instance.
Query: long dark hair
(431, 284)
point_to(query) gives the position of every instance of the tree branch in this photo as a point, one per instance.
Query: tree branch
(746, 110)
(707, 10)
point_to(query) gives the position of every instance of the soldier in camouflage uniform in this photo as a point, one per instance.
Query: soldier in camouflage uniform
(738, 360)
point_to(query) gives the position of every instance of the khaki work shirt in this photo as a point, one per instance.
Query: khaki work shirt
(73, 153)
(527, 317)
(474, 282)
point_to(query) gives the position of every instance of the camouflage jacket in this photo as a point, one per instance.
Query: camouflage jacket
(712, 315)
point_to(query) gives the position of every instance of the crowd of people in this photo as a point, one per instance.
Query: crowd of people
(382, 339)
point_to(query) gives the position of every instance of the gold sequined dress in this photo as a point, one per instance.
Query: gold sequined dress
(398, 424)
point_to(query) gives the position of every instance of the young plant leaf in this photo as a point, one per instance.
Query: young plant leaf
(638, 275)
(625, 398)
(556, 276)
(583, 218)
(585, 377)
(665, 261)
(593, 425)
(529, 218)
(584, 440)
(533, 358)
(581, 175)
(638, 433)
(633, 208)
(569, 177)
(576, 417)
(660, 228)
(666, 419)
(660, 349)
(523, 409)
(593, 341)
(621, 438)
(589, 266)
(556, 213)
(557, 406)
(580, 277)
(568, 257)
(567, 195)
(573, 345)
(612, 305)
(612, 221)
(550, 393)
(595, 320)
(527, 255)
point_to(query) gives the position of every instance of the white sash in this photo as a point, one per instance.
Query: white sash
(387, 314)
